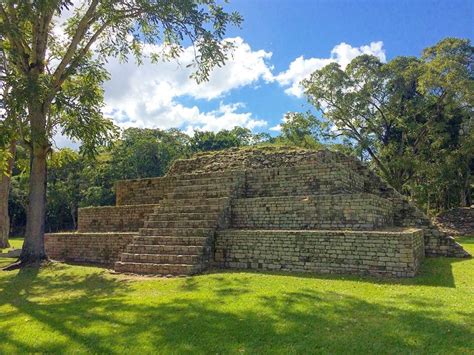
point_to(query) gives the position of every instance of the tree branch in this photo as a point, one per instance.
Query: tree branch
(81, 53)
(40, 38)
(15, 42)
(82, 27)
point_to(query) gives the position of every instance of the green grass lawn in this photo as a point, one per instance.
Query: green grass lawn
(79, 309)
(15, 242)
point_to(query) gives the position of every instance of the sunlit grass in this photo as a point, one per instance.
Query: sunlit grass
(15, 243)
(64, 308)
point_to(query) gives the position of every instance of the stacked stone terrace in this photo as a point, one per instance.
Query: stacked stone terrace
(270, 209)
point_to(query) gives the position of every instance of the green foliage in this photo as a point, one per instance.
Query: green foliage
(203, 141)
(146, 152)
(411, 118)
(78, 108)
(5, 156)
(66, 85)
(64, 189)
(302, 130)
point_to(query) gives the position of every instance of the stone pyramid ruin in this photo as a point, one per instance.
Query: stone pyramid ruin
(274, 208)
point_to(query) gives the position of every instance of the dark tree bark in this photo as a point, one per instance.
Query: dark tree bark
(73, 217)
(465, 192)
(38, 109)
(33, 247)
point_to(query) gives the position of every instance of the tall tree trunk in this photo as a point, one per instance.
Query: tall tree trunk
(465, 192)
(73, 216)
(33, 246)
(4, 193)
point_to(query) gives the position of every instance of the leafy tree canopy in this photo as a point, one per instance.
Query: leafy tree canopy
(411, 117)
(56, 70)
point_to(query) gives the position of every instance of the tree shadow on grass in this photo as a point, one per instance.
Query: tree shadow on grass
(436, 272)
(222, 286)
(100, 314)
(60, 301)
(306, 321)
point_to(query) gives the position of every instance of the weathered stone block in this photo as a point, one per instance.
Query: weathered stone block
(313, 256)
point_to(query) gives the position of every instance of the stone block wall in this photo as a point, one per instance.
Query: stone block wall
(94, 248)
(323, 178)
(153, 190)
(396, 254)
(405, 213)
(290, 209)
(113, 218)
(141, 191)
(251, 159)
(343, 211)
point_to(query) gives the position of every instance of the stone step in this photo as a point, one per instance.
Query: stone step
(183, 216)
(206, 187)
(196, 195)
(359, 211)
(161, 258)
(179, 209)
(176, 232)
(181, 224)
(166, 249)
(186, 202)
(169, 240)
(157, 269)
(391, 252)
(303, 180)
(203, 179)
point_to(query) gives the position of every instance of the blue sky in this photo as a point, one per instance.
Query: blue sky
(312, 28)
(281, 42)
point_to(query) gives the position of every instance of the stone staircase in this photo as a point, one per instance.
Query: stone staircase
(178, 237)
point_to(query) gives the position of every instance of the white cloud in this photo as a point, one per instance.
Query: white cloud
(174, 114)
(156, 95)
(342, 54)
(61, 141)
(148, 95)
(225, 117)
(276, 128)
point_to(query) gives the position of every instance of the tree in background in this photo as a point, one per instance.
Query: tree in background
(302, 130)
(65, 182)
(144, 153)
(8, 138)
(203, 141)
(47, 65)
(447, 83)
(6, 156)
(411, 117)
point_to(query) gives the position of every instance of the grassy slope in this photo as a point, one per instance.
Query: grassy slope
(85, 309)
